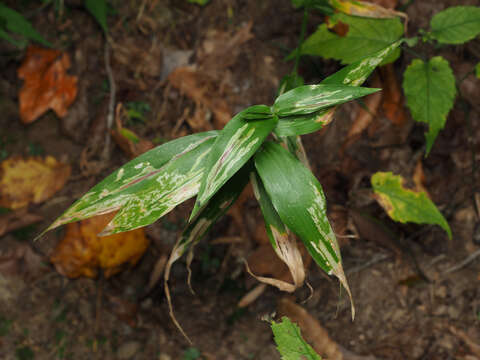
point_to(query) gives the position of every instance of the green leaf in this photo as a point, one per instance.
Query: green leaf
(477, 70)
(216, 208)
(98, 8)
(404, 205)
(236, 143)
(299, 200)
(303, 124)
(456, 25)
(16, 23)
(309, 99)
(283, 243)
(290, 343)
(365, 37)
(147, 187)
(356, 73)
(430, 91)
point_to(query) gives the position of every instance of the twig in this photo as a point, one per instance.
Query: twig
(111, 103)
(463, 263)
(372, 261)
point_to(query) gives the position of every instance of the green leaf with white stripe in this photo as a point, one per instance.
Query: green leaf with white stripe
(303, 124)
(308, 99)
(430, 91)
(456, 24)
(216, 208)
(147, 187)
(406, 205)
(236, 143)
(356, 73)
(299, 200)
(282, 241)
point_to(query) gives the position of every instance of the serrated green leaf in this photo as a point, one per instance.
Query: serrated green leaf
(98, 8)
(282, 241)
(309, 99)
(16, 23)
(217, 206)
(301, 205)
(430, 91)
(236, 143)
(404, 205)
(290, 343)
(147, 187)
(356, 73)
(365, 37)
(456, 25)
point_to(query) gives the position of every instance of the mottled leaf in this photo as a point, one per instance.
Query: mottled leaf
(356, 73)
(217, 206)
(365, 37)
(290, 343)
(16, 23)
(430, 91)
(236, 143)
(147, 187)
(404, 205)
(309, 99)
(299, 200)
(98, 8)
(282, 241)
(456, 24)
(303, 124)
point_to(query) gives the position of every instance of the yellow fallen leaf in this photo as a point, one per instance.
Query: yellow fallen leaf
(81, 252)
(30, 180)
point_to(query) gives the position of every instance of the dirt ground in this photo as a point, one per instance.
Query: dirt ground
(411, 301)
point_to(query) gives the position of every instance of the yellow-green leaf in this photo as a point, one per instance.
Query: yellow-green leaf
(404, 205)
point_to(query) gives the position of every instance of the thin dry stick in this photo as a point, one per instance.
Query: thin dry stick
(463, 263)
(111, 103)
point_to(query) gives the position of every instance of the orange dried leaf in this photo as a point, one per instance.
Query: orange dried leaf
(82, 252)
(30, 180)
(46, 83)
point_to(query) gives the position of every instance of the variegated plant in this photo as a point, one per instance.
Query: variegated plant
(217, 165)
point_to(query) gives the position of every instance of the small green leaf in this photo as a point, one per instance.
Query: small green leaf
(303, 124)
(309, 99)
(98, 8)
(17, 24)
(290, 343)
(147, 187)
(365, 37)
(430, 91)
(456, 25)
(477, 70)
(236, 143)
(404, 205)
(299, 200)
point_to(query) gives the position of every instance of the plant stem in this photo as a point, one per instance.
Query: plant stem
(413, 52)
(300, 40)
